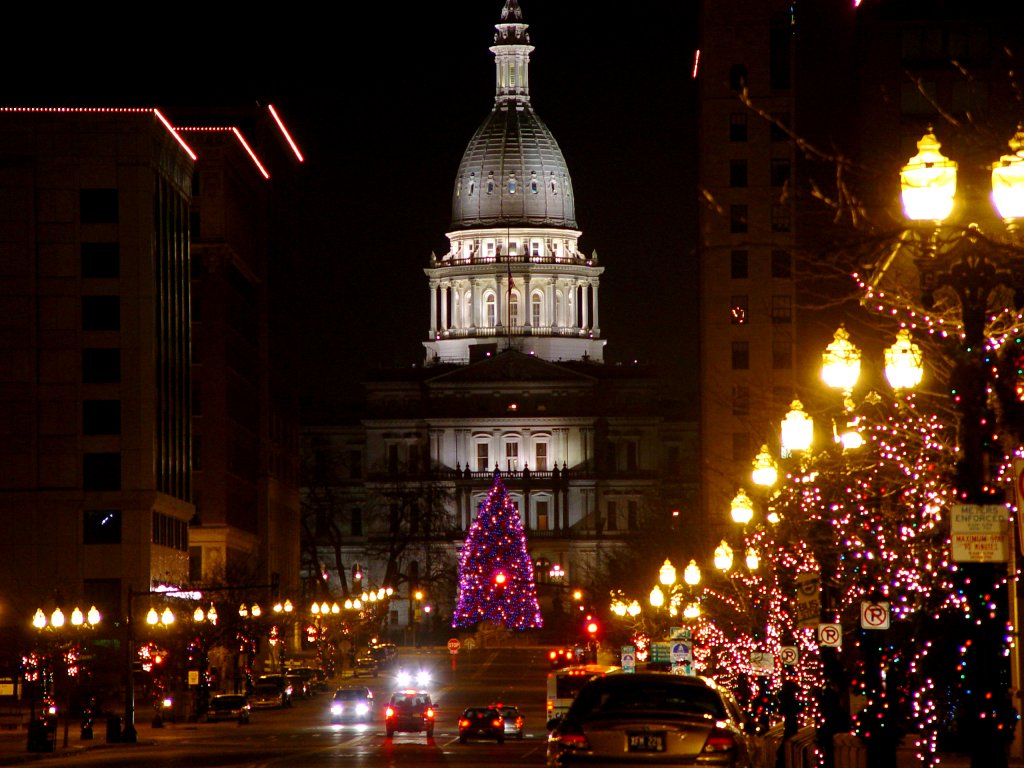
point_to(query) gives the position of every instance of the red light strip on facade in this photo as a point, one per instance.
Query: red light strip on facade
(252, 154)
(288, 136)
(174, 133)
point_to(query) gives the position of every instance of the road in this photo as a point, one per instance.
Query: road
(303, 735)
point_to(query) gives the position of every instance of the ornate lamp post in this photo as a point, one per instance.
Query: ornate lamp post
(970, 268)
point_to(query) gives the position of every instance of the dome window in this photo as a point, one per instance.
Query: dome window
(554, 184)
(490, 183)
(512, 184)
(472, 184)
(458, 187)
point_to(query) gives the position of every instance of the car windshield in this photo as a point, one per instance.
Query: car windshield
(480, 712)
(510, 712)
(353, 694)
(267, 689)
(623, 696)
(408, 702)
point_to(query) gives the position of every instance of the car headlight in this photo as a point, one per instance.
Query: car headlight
(362, 709)
(336, 709)
(422, 677)
(404, 678)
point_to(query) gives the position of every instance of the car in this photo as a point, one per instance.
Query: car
(384, 653)
(300, 685)
(513, 720)
(366, 665)
(352, 702)
(228, 706)
(283, 684)
(410, 711)
(315, 678)
(481, 723)
(650, 717)
(266, 696)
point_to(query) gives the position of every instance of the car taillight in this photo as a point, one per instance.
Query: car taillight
(430, 712)
(720, 740)
(463, 723)
(571, 738)
(519, 722)
(389, 712)
(496, 723)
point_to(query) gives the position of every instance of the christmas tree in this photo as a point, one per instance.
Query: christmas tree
(495, 570)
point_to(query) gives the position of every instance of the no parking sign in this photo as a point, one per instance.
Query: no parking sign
(874, 614)
(830, 635)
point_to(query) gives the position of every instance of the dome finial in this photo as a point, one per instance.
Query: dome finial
(512, 11)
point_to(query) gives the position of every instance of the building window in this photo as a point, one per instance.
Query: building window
(536, 305)
(737, 219)
(101, 417)
(738, 126)
(782, 264)
(513, 310)
(741, 446)
(543, 523)
(782, 355)
(740, 400)
(780, 218)
(780, 171)
(632, 455)
(613, 516)
(512, 455)
(101, 366)
(782, 309)
(540, 453)
(101, 313)
(97, 206)
(632, 515)
(738, 265)
(101, 472)
(779, 126)
(392, 458)
(483, 457)
(779, 53)
(740, 356)
(357, 521)
(490, 311)
(738, 310)
(169, 532)
(738, 173)
(737, 77)
(197, 453)
(101, 260)
(101, 526)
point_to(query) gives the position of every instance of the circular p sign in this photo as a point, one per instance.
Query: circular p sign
(830, 635)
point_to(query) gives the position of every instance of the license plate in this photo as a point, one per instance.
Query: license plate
(646, 742)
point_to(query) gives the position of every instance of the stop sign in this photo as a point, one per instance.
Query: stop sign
(454, 645)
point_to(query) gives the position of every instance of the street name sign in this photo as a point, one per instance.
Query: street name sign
(661, 653)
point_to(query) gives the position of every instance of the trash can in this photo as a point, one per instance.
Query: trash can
(113, 729)
(42, 735)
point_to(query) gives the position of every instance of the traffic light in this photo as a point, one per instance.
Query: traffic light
(592, 627)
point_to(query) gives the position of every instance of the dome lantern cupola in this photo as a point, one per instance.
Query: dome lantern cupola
(511, 51)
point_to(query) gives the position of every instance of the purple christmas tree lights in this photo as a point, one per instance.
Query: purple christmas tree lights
(496, 581)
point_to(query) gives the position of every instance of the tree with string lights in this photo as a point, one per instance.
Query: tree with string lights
(496, 581)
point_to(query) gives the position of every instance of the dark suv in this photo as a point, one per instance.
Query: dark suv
(410, 712)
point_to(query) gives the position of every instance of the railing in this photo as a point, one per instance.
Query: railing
(476, 260)
(512, 330)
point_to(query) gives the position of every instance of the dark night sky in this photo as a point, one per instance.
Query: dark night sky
(383, 106)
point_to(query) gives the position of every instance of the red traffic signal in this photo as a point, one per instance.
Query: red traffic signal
(592, 628)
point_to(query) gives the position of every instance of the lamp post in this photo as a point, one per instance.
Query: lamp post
(57, 623)
(969, 267)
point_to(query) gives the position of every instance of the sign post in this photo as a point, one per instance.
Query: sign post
(453, 649)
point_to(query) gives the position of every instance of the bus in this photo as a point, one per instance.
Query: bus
(565, 683)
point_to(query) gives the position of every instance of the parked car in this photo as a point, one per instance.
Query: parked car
(352, 703)
(283, 684)
(410, 711)
(383, 653)
(228, 706)
(653, 717)
(266, 695)
(481, 723)
(513, 720)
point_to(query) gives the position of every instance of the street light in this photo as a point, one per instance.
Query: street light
(797, 429)
(967, 268)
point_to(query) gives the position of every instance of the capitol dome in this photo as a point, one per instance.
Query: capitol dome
(512, 172)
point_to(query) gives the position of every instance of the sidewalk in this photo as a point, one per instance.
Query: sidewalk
(14, 741)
